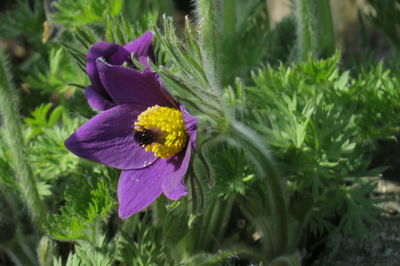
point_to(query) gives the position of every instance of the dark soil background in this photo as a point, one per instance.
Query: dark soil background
(381, 247)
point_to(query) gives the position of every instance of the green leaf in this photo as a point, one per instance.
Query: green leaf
(85, 203)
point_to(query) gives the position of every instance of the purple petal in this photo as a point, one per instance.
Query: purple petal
(111, 52)
(191, 124)
(107, 138)
(172, 184)
(138, 188)
(96, 100)
(174, 170)
(142, 46)
(127, 85)
(145, 61)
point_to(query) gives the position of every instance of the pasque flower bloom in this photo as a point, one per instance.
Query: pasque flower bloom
(144, 132)
(114, 54)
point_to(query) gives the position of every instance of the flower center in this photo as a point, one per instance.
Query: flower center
(161, 130)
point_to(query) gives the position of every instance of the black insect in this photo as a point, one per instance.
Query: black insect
(144, 136)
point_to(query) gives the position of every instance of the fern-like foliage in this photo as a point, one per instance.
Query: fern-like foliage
(72, 13)
(144, 247)
(85, 202)
(309, 115)
(61, 77)
(23, 20)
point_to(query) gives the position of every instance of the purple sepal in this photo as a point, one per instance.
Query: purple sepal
(191, 124)
(107, 138)
(126, 85)
(96, 100)
(142, 46)
(137, 189)
(172, 183)
(113, 54)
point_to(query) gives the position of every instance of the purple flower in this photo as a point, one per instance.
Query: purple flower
(146, 133)
(97, 95)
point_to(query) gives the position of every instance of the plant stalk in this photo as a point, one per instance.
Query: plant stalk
(256, 149)
(207, 40)
(326, 33)
(306, 30)
(13, 132)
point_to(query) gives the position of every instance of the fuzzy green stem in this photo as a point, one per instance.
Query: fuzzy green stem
(207, 39)
(13, 132)
(207, 225)
(306, 31)
(159, 211)
(225, 217)
(229, 29)
(228, 43)
(326, 33)
(277, 193)
(212, 224)
(229, 18)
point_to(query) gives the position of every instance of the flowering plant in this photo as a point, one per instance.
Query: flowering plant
(282, 155)
(143, 130)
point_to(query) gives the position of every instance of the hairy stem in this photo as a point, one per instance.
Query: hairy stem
(207, 39)
(225, 217)
(256, 149)
(13, 132)
(158, 210)
(326, 33)
(306, 32)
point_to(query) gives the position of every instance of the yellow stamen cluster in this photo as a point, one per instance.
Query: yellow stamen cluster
(169, 127)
